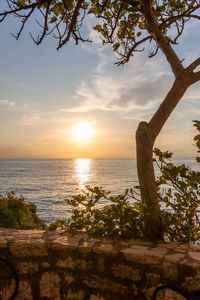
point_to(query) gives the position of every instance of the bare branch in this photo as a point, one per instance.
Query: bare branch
(153, 53)
(194, 64)
(125, 58)
(195, 77)
(23, 23)
(72, 24)
(45, 27)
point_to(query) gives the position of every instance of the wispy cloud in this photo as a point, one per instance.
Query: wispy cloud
(29, 119)
(137, 85)
(6, 102)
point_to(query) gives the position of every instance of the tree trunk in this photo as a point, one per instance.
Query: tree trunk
(145, 138)
(149, 195)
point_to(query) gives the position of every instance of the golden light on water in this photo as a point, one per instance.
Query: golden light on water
(82, 170)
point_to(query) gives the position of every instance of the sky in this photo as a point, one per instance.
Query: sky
(45, 93)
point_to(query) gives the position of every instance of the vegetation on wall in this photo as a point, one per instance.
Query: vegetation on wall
(179, 190)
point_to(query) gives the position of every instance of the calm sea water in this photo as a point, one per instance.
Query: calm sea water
(47, 182)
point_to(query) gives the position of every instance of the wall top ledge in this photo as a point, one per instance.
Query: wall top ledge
(130, 249)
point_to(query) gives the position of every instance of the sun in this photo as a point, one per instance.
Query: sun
(83, 132)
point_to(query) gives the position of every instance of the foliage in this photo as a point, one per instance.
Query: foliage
(197, 138)
(15, 213)
(123, 216)
(119, 218)
(122, 23)
(181, 198)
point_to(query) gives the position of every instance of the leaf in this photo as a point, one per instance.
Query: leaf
(21, 3)
(58, 9)
(68, 4)
(116, 46)
(53, 20)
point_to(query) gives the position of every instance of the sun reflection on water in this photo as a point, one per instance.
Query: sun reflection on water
(82, 171)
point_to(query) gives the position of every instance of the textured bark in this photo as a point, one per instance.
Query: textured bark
(168, 105)
(145, 137)
(149, 195)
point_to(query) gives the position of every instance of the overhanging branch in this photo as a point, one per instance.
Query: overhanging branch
(159, 37)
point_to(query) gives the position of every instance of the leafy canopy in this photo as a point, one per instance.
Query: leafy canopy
(122, 23)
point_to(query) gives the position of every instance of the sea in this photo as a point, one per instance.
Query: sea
(47, 182)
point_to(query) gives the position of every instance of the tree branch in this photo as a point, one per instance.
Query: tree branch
(72, 24)
(195, 77)
(171, 100)
(125, 58)
(159, 37)
(194, 64)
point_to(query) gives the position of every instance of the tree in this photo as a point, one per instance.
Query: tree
(126, 24)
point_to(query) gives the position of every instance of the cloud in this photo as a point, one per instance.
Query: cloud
(29, 119)
(138, 85)
(6, 102)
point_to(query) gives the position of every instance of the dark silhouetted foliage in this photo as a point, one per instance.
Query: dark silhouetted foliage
(15, 213)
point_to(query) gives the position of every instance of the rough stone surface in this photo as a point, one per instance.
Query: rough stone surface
(60, 265)
(24, 291)
(27, 267)
(49, 286)
(126, 272)
(75, 294)
(94, 297)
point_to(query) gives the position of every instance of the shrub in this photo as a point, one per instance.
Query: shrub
(119, 218)
(181, 199)
(15, 213)
(123, 216)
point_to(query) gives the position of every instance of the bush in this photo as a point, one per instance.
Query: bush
(15, 213)
(118, 219)
(124, 216)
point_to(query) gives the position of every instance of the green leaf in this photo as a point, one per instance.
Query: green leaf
(68, 4)
(21, 3)
(116, 46)
(53, 20)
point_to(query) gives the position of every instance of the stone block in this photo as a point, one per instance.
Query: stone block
(26, 268)
(123, 271)
(174, 258)
(24, 291)
(45, 264)
(96, 297)
(195, 256)
(142, 255)
(169, 271)
(7, 288)
(69, 278)
(3, 243)
(29, 250)
(152, 279)
(69, 262)
(50, 286)
(75, 294)
(168, 294)
(106, 284)
(105, 249)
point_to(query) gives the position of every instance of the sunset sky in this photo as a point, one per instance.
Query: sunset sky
(45, 94)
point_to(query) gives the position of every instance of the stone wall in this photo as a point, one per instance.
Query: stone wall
(61, 265)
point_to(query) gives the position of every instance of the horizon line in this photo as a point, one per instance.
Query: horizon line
(64, 158)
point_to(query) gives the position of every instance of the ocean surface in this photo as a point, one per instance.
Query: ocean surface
(46, 183)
